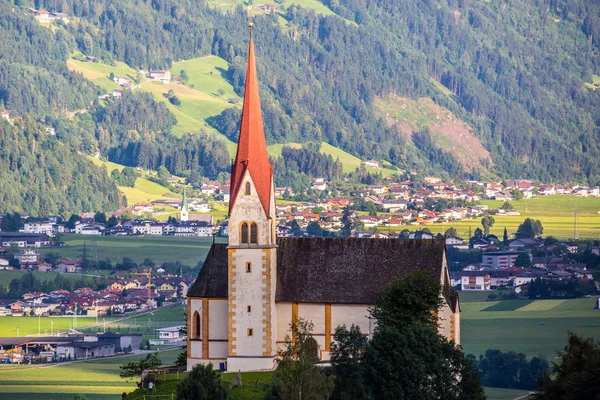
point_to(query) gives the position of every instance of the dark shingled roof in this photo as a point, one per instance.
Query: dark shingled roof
(331, 270)
(212, 278)
(349, 270)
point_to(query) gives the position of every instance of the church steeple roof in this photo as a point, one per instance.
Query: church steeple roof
(252, 153)
(184, 201)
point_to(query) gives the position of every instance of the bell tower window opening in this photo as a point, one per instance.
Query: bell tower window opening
(244, 233)
(253, 233)
(247, 188)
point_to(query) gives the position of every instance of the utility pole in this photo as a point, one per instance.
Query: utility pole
(576, 229)
(39, 325)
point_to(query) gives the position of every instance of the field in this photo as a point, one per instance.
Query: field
(145, 324)
(144, 190)
(7, 276)
(557, 214)
(29, 325)
(531, 327)
(187, 250)
(99, 73)
(350, 162)
(97, 377)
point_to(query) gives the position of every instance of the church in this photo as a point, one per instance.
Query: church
(250, 290)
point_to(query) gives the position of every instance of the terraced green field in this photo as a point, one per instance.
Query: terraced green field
(531, 327)
(187, 250)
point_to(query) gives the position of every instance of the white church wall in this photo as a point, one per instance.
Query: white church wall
(217, 327)
(314, 313)
(348, 314)
(444, 318)
(217, 350)
(196, 348)
(284, 318)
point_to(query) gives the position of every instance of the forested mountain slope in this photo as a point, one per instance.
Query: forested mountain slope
(38, 172)
(514, 74)
(517, 69)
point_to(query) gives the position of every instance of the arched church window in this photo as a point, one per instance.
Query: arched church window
(247, 188)
(244, 233)
(253, 233)
(196, 327)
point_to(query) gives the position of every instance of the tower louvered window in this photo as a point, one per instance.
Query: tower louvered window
(247, 188)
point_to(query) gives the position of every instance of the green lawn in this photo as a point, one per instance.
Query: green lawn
(531, 327)
(187, 250)
(95, 377)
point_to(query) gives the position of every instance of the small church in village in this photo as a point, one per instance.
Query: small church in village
(251, 289)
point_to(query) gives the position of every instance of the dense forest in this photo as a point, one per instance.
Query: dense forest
(41, 174)
(518, 72)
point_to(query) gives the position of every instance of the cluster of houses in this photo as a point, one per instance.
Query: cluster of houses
(497, 268)
(30, 260)
(119, 296)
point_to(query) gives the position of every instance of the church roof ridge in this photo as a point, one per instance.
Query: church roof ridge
(252, 153)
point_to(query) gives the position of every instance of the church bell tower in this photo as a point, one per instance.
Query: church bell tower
(252, 250)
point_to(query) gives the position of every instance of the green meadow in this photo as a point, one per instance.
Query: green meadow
(7, 276)
(29, 325)
(531, 327)
(188, 250)
(557, 214)
(59, 381)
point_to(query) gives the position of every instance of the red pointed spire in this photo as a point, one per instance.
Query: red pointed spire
(252, 153)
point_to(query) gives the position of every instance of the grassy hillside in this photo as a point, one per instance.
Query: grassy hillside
(206, 74)
(200, 99)
(99, 73)
(351, 162)
(144, 189)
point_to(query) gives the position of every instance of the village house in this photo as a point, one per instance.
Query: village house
(372, 164)
(68, 266)
(319, 184)
(6, 115)
(499, 259)
(475, 280)
(41, 16)
(27, 256)
(46, 227)
(160, 75)
(267, 7)
(24, 239)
